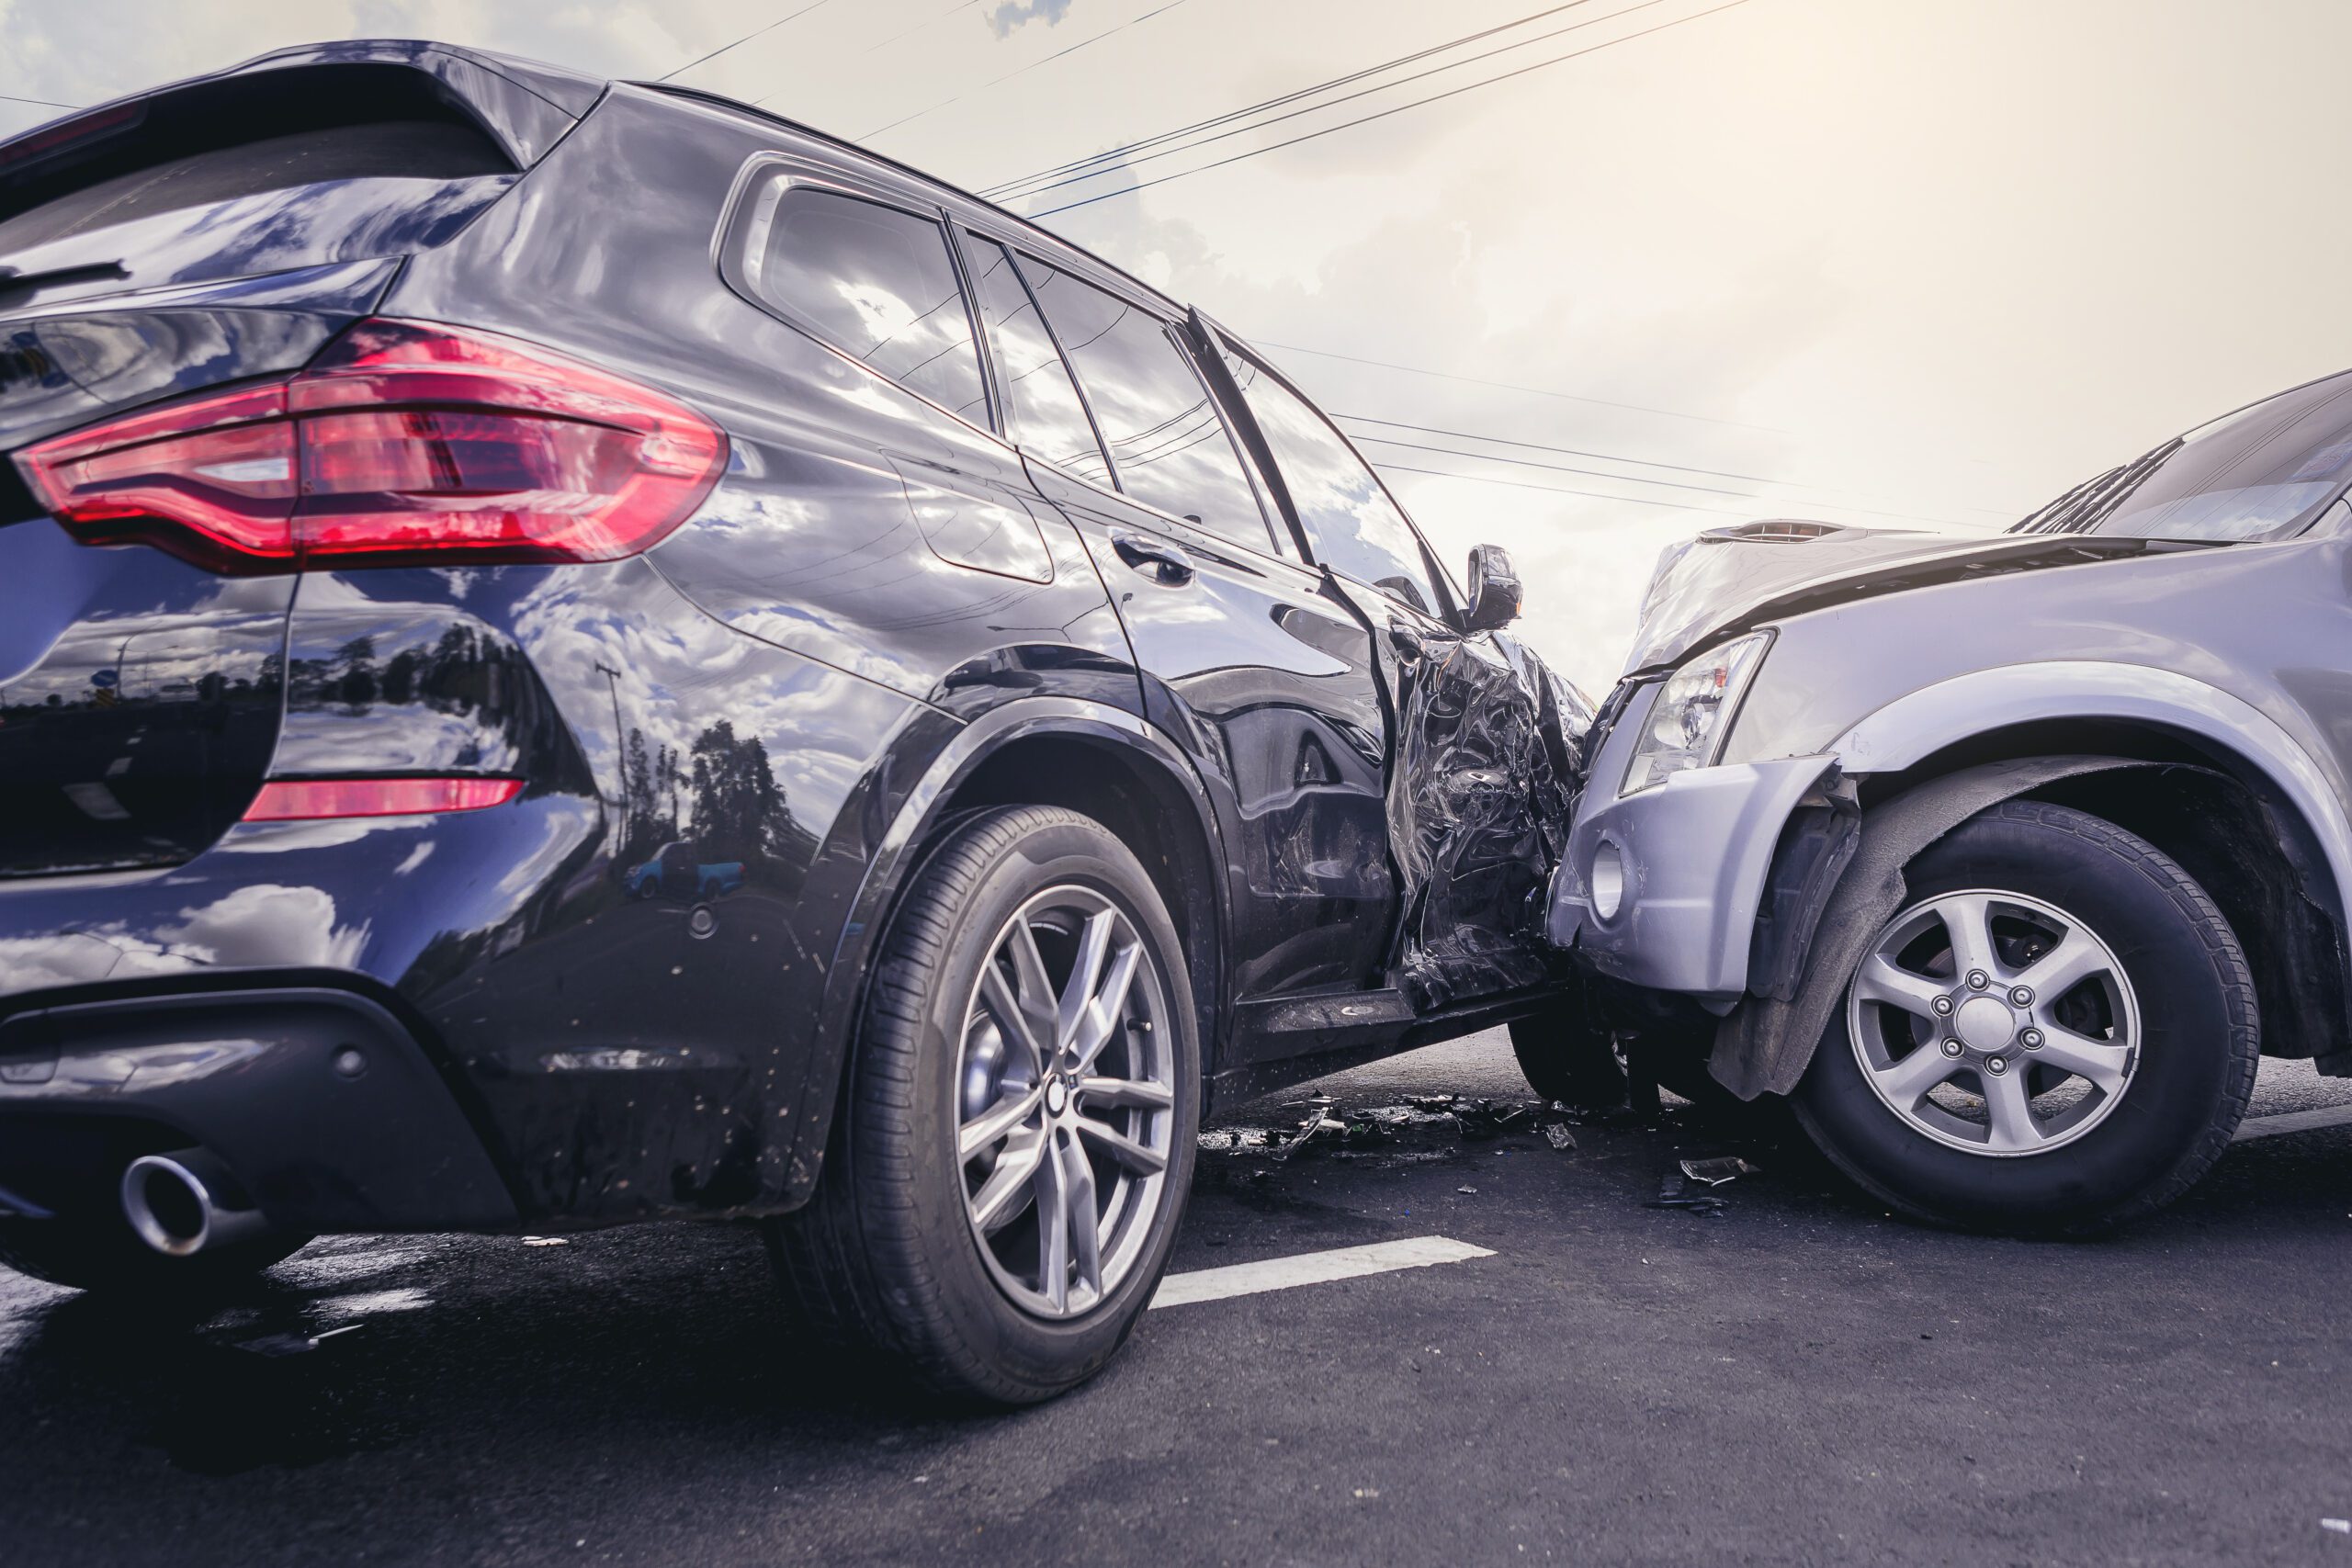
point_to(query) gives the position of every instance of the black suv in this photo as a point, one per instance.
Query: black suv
(575, 653)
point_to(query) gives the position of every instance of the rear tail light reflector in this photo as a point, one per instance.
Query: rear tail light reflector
(404, 442)
(304, 800)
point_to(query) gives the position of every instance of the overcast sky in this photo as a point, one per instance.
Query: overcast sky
(1936, 259)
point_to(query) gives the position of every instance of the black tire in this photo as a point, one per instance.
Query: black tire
(107, 1256)
(885, 1257)
(2199, 1039)
(1570, 1057)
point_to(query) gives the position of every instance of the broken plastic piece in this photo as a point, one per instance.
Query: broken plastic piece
(276, 1346)
(1674, 1192)
(1715, 1172)
(1556, 1134)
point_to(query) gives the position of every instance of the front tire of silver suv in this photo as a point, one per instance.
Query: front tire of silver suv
(2057, 1032)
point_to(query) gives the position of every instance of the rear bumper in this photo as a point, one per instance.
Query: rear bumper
(1683, 866)
(323, 1104)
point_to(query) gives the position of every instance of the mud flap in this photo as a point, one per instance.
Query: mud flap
(1765, 1043)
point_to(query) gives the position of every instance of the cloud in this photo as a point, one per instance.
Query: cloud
(1012, 16)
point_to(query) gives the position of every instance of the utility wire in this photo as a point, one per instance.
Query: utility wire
(959, 6)
(747, 37)
(45, 103)
(1515, 387)
(1383, 114)
(1597, 495)
(1009, 76)
(1667, 484)
(996, 191)
(1333, 103)
(1644, 462)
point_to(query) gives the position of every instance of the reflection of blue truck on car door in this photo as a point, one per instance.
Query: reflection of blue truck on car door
(675, 870)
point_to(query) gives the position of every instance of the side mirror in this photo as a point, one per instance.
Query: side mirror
(1494, 590)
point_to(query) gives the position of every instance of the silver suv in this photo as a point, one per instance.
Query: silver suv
(2005, 860)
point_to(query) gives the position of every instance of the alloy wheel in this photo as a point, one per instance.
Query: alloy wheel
(1066, 1091)
(1994, 1023)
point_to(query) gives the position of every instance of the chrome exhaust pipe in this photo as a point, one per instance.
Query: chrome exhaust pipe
(182, 1204)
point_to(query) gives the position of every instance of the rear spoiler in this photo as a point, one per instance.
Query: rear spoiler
(525, 107)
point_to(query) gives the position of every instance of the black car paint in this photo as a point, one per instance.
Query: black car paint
(855, 638)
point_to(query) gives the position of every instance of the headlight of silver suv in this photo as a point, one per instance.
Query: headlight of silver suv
(1693, 713)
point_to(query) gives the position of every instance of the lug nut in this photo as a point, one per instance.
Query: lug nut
(2022, 996)
(2031, 1039)
(1996, 1065)
(1951, 1047)
(1978, 979)
(1943, 1006)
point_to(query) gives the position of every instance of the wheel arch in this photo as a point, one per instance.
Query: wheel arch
(2203, 774)
(1135, 780)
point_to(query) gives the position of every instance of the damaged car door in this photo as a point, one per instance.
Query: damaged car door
(1480, 780)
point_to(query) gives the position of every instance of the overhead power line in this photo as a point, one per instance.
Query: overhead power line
(998, 191)
(747, 37)
(1048, 59)
(1515, 387)
(1126, 164)
(934, 21)
(1383, 114)
(1666, 484)
(1597, 495)
(1643, 462)
(45, 103)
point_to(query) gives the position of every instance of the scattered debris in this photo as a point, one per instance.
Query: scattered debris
(546, 1241)
(1556, 1134)
(2341, 1526)
(1471, 1191)
(1674, 1192)
(1318, 1120)
(276, 1346)
(1715, 1172)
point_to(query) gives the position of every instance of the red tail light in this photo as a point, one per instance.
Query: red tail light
(303, 800)
(404, 442)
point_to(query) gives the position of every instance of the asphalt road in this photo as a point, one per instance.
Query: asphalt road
(1794, 1377)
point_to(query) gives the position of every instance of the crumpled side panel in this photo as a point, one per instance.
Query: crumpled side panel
(1479, 801)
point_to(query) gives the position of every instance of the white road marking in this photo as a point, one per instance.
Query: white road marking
(1312, 1268)
(2293, 1122)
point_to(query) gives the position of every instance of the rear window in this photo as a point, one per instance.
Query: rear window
(410, 150)
(239, 178)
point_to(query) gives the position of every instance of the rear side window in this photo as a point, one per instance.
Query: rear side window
(1168, 443)
(1352, 526)
(876, 283)
(1045, 415)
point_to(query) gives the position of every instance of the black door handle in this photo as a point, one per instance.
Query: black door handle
(1156, 558)
(1406, 641)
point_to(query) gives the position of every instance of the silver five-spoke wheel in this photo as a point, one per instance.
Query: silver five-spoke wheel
(1995, 1022)
(1066, 1087)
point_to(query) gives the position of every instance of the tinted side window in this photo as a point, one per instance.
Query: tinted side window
(1045, 414)
(877, 283)
(1169, 445)
(1354, 528)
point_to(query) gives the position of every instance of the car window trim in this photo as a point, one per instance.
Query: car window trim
(763, 181)
(1449, 611)
(1077, 387)
(1169, 334)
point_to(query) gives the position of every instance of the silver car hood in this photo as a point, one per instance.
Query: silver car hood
(1727, 579)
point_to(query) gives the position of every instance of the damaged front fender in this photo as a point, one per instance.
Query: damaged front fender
(1765, 1046)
